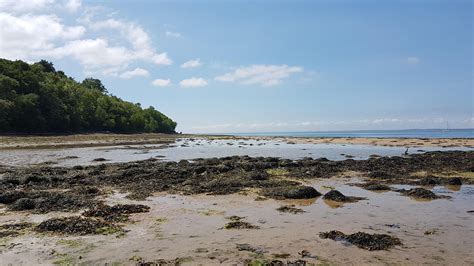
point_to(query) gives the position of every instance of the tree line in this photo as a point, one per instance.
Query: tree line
(36, 98)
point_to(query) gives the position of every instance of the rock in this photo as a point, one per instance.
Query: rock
(364, 240)
(420, 193)
(302, 192)
(99, 160)
(23, 204)
(339, 197)
(9, 197)
(456, 181)
(428, 181)
(373, 186)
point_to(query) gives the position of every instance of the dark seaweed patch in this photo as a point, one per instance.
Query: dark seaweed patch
(115, 213)
(364, 240)
(76, 225)
(290, 209)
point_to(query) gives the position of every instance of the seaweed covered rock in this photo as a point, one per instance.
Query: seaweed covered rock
(429, 181)
(374, 186)
(23, 204)
(421, 193)
(8, 197)
(72, 189)
(301, 192)
(364, 240)
(117, 212)
(339, 197)
(291, 192)
(74, 225)
(46, 201)
(455, 181)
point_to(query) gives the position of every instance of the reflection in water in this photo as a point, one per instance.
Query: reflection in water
(333, 204)
(453, 187)
(301, 202)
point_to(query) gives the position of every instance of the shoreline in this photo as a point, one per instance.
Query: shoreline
(9, 142)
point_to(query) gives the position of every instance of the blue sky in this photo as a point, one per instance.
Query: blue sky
(244, 66)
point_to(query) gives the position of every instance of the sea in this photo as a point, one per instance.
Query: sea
(405, 133)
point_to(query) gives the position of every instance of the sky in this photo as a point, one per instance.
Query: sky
(262, 66)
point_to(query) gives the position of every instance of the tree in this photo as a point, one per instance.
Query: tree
(37, 98)
(94, 84)
(47, 66)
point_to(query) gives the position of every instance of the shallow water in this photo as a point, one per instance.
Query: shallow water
(191, 227)
(408, 133)
(202, 148)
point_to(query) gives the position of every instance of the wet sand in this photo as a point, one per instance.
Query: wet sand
(194, 207)
(189, 229)
(95, 140)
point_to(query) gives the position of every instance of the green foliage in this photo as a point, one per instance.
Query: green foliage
(36, 98)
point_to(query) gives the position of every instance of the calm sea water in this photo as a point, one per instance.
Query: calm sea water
(411, 133)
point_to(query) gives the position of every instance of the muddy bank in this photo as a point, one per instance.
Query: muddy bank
(44, 188)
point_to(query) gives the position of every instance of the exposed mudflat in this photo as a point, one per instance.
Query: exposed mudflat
(411, 209)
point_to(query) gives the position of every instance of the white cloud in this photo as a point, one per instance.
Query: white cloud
(412, 60)
(95, 55)
(265, 75)
(161, 59)
(137, 72)
(137, 37)
(73, 5)
(173, 34)
(23, 37)
(193, 82)
(23, 5)
(28, 35)
(161, 82)
(191, 64)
